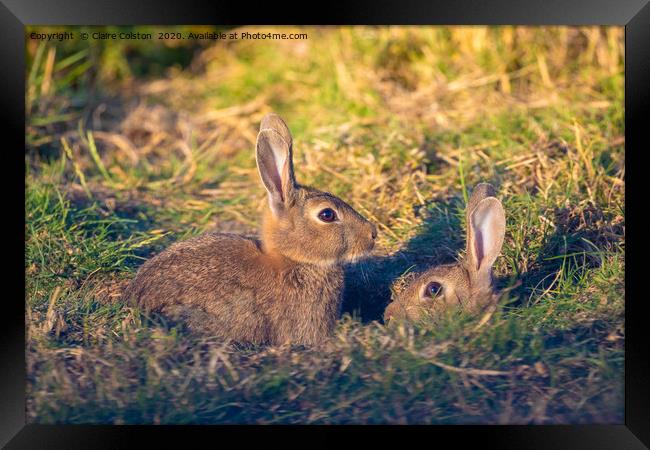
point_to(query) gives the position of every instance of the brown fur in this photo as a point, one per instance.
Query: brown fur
(285, 287)
(468, 284)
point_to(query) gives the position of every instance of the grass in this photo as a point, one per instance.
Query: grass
(401, 122)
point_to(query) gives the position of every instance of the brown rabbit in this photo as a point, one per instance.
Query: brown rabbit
(467, 284)
(285, 287)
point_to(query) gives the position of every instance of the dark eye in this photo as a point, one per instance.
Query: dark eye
(327, 215)
(433, 289)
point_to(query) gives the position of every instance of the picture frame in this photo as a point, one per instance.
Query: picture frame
(633, 14)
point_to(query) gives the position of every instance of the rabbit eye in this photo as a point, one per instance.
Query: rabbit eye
(433, 289)
(327, 215)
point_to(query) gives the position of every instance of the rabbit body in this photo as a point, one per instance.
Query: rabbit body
(226, 285)
(285, 287)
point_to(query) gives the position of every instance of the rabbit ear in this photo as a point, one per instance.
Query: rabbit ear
(274, 161)
(480, 192)
(485, 231)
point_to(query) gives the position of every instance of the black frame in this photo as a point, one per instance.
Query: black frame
(633, 14)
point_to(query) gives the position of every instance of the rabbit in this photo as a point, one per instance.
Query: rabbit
(285, 287)
(468, 284)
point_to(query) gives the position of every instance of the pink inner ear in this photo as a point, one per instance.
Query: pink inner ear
(280, 160)
(478, 247)
(482, 224)
(488, 226)
(272, 172)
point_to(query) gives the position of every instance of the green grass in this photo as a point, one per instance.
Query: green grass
(131, 147)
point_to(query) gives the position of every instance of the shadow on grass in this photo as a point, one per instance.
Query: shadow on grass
(581, 236)
(440, 238)
(585, 232)
(130, 214)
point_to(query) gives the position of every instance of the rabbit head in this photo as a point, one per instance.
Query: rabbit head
(304, 224)
(467, 284)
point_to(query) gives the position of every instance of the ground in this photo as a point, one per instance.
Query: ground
(133, 145)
